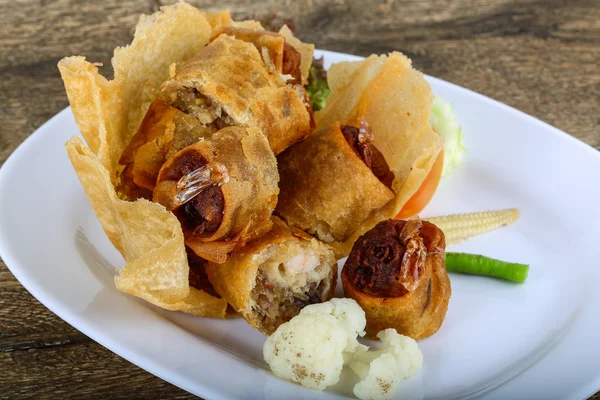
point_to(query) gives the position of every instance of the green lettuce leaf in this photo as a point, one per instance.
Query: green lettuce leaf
(444, 122)
(317, 87)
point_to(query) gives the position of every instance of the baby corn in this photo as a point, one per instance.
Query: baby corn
(458, 227)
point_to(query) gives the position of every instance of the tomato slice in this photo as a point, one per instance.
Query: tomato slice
(423, 196)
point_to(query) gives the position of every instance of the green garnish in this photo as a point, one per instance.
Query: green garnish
(475, 264)
(444, 122)
(317, 87)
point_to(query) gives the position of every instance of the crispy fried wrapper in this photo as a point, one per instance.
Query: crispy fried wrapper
(276, 52)
(395, 100)
(272, 278)
(108, 114)
(396, 272)
(327, 189)
(149, 238)
(220, 18)
(223, 19)
(306, 50)
(232, 75)
(222, 218)
(164, 131)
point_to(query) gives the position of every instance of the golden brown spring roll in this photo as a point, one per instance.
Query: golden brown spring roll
(164, 131)
(222, 189)
(284, 57)
(332, 181)
(277, 54)
(396, 273)
(395, 99)
(223, 19)
(272, 278)
(228, 83)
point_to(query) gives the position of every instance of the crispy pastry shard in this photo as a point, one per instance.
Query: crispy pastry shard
(109, 113)
(149, 238)
(272, 278)
(395, 100)
(223, 189)
(396, 273)
(333, 181)
(306, 51)
(223, 18)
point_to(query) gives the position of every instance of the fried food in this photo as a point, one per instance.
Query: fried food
(333, 181)
(232, 191)
(124, 120)
(109, 113)
(198, 109)
(282, 56)
(272, 278)
(223, 19)
(395, 100)
(149, 238)
(164, 131)
(396, 273)
(228, 83)
(306, 51)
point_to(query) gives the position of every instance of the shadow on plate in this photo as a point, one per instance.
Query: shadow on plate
(96, 262)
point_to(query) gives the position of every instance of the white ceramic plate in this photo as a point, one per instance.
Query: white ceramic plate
(499, 340)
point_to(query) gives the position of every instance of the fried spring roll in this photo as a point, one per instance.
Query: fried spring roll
(271, 279)
(164, 131)
(222, 189)
(396, 273)
(284, 57)
(228, 83)
(332, 181)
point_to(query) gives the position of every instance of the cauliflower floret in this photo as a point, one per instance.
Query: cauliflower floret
(348, 313)
(381, 371)
(313, 347)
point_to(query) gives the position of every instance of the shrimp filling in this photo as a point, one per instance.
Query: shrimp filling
(283, 288)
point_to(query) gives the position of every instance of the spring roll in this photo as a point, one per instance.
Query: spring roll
(395, 99)
(164, 131)
(331, 182)
(228, 83)
(271, 279)
(284, 58)
(223, 19)
(396, 273)
(222, 189)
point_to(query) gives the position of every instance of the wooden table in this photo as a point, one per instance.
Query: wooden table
(538, 56)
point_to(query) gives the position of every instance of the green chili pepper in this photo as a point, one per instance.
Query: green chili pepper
(475, 264)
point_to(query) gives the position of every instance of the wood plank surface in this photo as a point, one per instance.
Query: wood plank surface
(539, 56)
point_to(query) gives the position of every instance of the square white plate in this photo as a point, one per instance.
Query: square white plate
(499, 340)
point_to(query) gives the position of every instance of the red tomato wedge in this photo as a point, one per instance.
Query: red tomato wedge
(423, 196)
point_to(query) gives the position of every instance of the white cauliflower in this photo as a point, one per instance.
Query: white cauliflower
(349, 314)
(381, 371)
(312, 348)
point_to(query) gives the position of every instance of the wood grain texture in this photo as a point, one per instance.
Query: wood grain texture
(539, 56)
